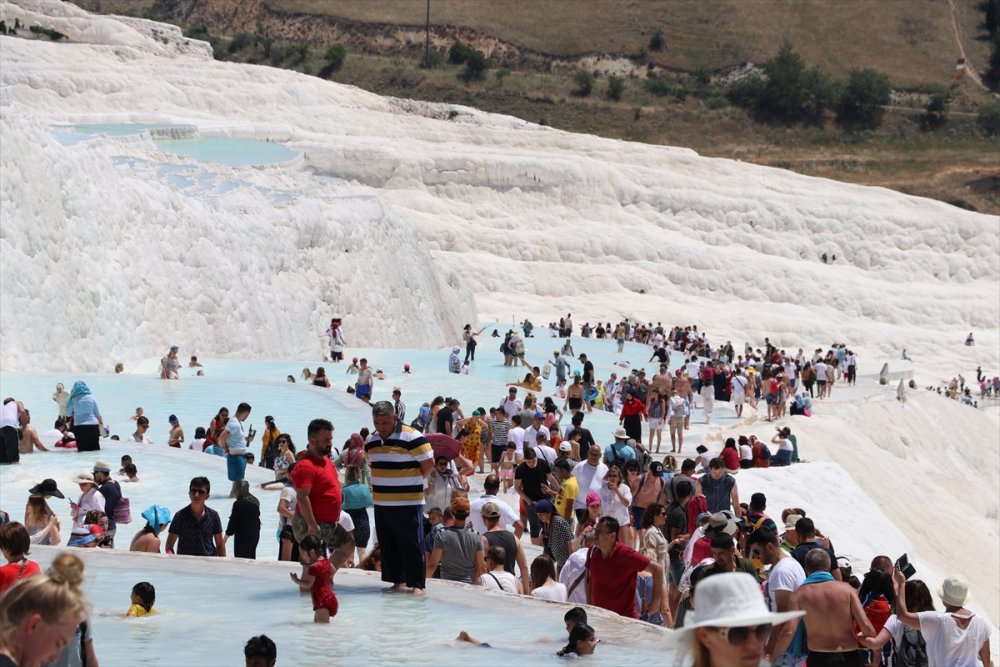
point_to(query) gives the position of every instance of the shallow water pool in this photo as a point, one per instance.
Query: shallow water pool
(207, 609)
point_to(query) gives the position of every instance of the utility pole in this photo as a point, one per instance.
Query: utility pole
(427, 41)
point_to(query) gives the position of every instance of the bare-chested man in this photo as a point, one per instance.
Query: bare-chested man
(831, 609)
(29, 436)
(662, 382)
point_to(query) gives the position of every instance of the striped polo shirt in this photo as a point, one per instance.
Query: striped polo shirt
(395, 464)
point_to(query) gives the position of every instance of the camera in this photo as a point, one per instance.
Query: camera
(904, 565)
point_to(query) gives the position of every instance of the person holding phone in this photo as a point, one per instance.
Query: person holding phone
(235, 443)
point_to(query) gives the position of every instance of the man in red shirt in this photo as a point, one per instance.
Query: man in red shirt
(317, 489)
(612, 569)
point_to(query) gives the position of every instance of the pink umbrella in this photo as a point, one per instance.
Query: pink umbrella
(444, 445)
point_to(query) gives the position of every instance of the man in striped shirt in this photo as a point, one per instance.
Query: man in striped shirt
(400, 459)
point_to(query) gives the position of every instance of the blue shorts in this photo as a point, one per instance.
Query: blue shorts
(675, 571)
(236, 466)
(362, 389)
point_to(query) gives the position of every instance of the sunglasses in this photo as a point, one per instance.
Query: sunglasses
(198, 492)
(739, 636)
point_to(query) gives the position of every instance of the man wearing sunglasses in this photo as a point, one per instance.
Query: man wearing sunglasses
(196, 530)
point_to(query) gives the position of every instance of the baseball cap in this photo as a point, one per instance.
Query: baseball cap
(544, 507)
(491, 510)
(593, 499)
(565, 447)
(791, 520)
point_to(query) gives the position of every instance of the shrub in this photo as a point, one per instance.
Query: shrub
(746, 92)
(500, 75)
(637, 113)
(658, 41)
(662, 88)
(334, 56)
(584, 83)
(936, 111)
(781, 98)
(988, 119)
(476, 65)
(867, 91)
(716, 102)
(241, 41)
(819, 93)
(452, 114)
(616, 86)
(297, 53)
(198, 31)
(459, 53)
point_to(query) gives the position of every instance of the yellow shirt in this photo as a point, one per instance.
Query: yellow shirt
(567, 494)
(139, 610)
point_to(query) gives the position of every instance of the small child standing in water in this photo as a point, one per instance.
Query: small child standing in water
(319, 579)
(143, 597)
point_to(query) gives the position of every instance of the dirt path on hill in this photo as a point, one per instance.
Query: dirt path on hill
(970, 71)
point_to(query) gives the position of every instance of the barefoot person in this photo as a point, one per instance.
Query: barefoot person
(29, 436)
(318, 494)
(401, 458)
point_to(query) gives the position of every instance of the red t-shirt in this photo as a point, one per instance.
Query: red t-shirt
(612, 580)
(730, 458)
(319, 476)
(8, 573)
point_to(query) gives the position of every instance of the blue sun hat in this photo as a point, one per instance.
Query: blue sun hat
(157, 516)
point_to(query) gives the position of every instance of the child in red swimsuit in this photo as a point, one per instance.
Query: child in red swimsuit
(319, 580)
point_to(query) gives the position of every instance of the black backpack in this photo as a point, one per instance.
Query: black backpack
(912, 649)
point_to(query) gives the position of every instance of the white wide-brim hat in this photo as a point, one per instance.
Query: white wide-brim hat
(954, 590)
(732, 600)
(621, 434)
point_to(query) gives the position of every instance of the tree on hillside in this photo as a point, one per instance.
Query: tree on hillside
(936, 111)
(658, 41)
(861, 103)
(476, 65)
(616, 86)
(988, 119)
(584, 83)
(992, 73)
(459, 53)
(992, 19)
(791, 93)
(335, 56)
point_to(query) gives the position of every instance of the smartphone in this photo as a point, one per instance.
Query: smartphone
(903, 565)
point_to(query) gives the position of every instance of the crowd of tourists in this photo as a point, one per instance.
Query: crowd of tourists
(665, 540)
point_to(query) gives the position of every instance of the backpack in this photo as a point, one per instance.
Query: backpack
(617, 458)
(547, 370)
(912, 649)
(676, 407)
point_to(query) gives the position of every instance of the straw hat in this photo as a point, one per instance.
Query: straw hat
(84, 478)
(733, 599)
(621, 434)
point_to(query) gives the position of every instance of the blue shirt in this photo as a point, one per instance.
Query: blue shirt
(84, 410)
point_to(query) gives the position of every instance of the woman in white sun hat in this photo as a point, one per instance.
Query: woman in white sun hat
(956, 636)
(731, 623)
